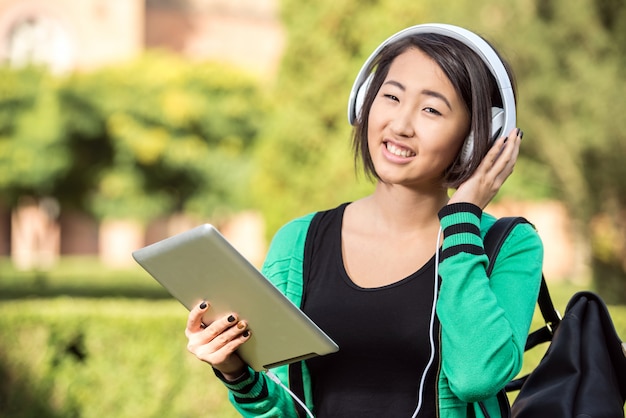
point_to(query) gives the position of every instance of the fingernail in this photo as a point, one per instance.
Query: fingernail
(241, 325)
(203, 305)
(521, 134)
(231, 319)
(245, 334)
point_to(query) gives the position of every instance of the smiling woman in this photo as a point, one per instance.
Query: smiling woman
(398, 278)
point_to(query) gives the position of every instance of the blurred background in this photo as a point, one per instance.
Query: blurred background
(123, 122)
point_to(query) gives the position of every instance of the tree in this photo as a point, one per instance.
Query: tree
(33, 152)
(147, 138)
(179, 135)
(327, 42)
(569, 64)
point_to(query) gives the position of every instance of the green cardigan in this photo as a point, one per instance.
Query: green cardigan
(484, 320)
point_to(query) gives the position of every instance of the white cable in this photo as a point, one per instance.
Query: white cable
(275, 378)
(432, 327)
(293, 395)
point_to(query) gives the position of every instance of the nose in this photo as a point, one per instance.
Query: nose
(402, 123)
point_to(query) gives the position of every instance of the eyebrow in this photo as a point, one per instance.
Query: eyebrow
(426, 92)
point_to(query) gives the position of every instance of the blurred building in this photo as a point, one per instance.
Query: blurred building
(81, 35)
(68, 34)
(245, 32)
(84, 34)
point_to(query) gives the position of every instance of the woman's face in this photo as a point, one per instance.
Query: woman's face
(417, 122)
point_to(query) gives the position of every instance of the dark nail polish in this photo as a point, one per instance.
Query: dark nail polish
(521, 134)
(203, 305)
(231, 319)
(245, 334)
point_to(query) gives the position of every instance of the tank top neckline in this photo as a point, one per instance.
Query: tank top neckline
(337, 243)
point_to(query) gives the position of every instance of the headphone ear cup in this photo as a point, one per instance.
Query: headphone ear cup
(497, 123)
(360, 97)
(468, 147)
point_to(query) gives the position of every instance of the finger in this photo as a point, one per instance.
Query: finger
(224, 354)
(234, 336)
(508, 149)
(194, 320)
(216, 350)
(219, 326)
(512, 146)
(231, 345)
(494, 153)
(503, 168)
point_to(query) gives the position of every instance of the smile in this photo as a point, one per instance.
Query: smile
(399, 152)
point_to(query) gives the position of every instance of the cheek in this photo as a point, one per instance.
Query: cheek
(374, 126)
(454, 156)
(456, 135)
(457, 144)
(448, 150)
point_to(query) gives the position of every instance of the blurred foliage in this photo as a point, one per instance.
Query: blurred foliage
(33, 151)
(569, 64)
(327, 43)
(570, 61)
(159, 134)
(102, 358)
(153, 136)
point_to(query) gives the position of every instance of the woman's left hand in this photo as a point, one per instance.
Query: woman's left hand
(495, 168)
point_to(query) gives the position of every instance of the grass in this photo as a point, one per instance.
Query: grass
(83, 340)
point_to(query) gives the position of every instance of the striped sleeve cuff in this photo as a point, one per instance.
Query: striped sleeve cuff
(460, 223)
(250, 387)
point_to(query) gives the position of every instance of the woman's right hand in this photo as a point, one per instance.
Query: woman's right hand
(495, 168)
(216, 343)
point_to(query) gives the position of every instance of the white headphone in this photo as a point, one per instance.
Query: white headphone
(503, 119)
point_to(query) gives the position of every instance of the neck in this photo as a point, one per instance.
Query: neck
(404, 209)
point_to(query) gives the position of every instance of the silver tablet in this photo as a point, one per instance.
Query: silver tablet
(200, 264)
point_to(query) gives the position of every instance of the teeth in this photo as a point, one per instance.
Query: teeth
(399, 151)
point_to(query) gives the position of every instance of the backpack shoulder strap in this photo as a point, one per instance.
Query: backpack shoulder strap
(497, 234)
(296, 381)
(494, 239)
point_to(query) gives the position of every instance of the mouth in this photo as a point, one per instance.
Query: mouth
(399, 151)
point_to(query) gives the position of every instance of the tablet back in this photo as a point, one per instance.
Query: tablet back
(200, 264)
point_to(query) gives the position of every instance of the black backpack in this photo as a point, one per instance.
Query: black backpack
(583, 372)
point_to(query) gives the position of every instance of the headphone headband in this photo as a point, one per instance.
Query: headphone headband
(473, 41)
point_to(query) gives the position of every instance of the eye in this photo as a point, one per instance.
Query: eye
(392, 97)
(432, 110)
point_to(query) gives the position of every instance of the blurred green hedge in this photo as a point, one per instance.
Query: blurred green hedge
(85, 341)
(68, 357)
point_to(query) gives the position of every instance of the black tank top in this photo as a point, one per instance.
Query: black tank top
(383, 334)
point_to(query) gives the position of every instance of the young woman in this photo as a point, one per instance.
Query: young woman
(398, 278)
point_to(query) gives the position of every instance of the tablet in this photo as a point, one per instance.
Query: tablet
(200, 264)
